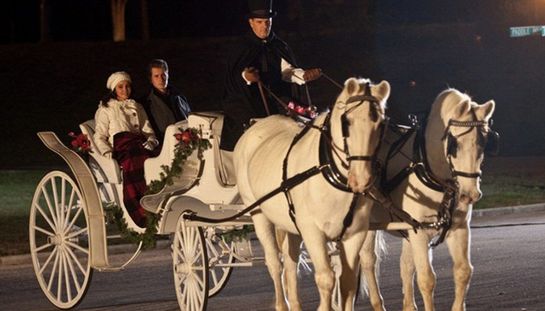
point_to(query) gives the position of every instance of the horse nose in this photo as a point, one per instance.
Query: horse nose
(359, 185)
(471, 196)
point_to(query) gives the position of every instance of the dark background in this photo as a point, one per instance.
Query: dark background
(420, 47)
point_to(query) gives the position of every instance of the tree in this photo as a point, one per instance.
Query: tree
(145, 19)
(118, 19)
(44, 20)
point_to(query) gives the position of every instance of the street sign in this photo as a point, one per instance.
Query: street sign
(525, 31)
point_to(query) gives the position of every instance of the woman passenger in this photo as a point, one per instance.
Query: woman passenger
(123, 132)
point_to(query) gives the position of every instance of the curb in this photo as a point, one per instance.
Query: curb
(497, 211)
(121, 249)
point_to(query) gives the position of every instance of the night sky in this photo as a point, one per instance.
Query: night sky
(90, 20)
(421, 47)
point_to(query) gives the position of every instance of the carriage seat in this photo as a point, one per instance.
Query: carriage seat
(153, 166)
(106, 170)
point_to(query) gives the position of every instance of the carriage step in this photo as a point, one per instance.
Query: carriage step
(221, 207)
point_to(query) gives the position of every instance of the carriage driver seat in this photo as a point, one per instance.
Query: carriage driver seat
(225, 170)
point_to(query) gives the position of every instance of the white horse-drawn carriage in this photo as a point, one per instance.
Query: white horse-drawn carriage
(331, 158)
(68, 232)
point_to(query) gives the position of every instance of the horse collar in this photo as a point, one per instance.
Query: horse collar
(331, 172)
(423, 171)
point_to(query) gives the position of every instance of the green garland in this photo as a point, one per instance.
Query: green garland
(189, 140)
(114, 215)
(237, 235)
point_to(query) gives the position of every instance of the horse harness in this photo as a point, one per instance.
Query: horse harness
(327, 150)
(422, 170)
(326, 166)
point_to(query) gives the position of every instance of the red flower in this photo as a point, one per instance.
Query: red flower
(80, 143)
(186, 137)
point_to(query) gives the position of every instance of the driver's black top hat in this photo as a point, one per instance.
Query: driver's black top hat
(260, 9)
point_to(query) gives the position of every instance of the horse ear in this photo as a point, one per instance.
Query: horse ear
(351, 86)
(462, 108)
(383, 89)
(485, 111)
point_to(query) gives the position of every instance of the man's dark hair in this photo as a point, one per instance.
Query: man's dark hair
(157, 63)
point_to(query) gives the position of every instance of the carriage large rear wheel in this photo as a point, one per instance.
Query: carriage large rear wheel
(59, 240)
(190, 267)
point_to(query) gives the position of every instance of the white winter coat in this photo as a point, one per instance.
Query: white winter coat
(117, 117)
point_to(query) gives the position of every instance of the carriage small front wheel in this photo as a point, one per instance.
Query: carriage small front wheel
(190, 267)
(59, 240)
(220, 258)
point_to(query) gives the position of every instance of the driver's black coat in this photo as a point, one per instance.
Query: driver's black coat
(242, 102)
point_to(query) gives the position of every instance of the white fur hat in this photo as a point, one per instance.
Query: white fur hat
(117, 77)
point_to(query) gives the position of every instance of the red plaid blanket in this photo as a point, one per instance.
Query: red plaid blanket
(130, 154)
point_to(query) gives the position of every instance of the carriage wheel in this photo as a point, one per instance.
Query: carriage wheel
(59, 240)
(220, 257)
(190, 265)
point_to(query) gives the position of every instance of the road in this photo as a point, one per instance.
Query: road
(508, 253)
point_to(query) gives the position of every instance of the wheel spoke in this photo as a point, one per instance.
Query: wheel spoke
(48, 201)
(54, 271)
(69, 207)
(76, 260)
(214, 276)
(51, 223)
(76, 233)
(39, 249)
(73, 221)
(66, 277)
(186, 247)
(199, 280)
(60, 207)
(46, 263)
(48, 233)
(73, 273)
(59, 277)
(181, 243)
(76, 246)
(192, 297)
(211, 249)
(58, 221)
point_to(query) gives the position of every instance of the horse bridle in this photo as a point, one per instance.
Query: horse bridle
(345, 123)
(488, 143)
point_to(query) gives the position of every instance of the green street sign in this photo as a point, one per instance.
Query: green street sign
(525, 31)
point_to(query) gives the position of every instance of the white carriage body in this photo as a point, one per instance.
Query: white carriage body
(201, 188)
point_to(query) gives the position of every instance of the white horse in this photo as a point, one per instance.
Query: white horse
(454, 140)
(349, 136)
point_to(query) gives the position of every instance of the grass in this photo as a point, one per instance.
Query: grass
(504, 184)
(511, 191)
(16, 191)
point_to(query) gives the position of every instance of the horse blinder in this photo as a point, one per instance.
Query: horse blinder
(345, 124)
(492, 146)
(452, 145)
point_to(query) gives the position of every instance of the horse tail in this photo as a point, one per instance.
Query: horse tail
(371, 254)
